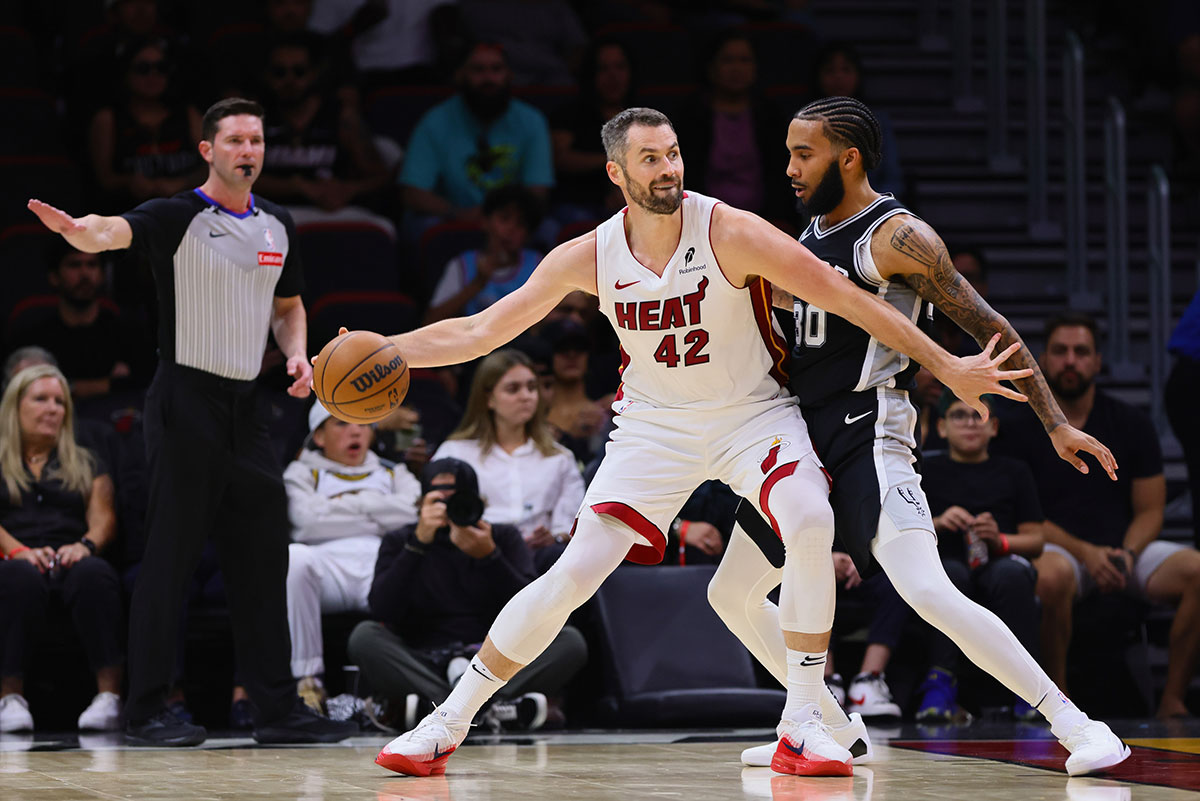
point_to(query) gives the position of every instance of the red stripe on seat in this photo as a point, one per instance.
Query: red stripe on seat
(650, 554)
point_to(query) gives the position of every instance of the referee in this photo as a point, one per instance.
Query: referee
(225, 273)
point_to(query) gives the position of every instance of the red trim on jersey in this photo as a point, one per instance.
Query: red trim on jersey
(764, 494)
(760, 300)
(650, 554)
(621, 371)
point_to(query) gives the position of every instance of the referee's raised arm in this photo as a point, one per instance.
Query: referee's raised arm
(90, 234)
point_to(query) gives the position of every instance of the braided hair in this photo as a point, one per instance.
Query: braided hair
(848, 123)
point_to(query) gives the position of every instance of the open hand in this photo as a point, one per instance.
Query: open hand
(1068, 441)
(978, 375)
(56, 220)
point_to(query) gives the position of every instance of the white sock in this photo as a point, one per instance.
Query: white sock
(1061, 712)
(805, 681)
(474, 688)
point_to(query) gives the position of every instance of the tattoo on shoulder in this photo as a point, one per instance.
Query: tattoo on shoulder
(915, 244)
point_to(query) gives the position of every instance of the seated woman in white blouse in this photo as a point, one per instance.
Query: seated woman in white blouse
(528, 479)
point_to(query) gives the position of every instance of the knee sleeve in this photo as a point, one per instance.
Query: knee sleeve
(532, 619)
(800, 504)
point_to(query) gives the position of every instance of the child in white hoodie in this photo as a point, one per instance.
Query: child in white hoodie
(342, 499)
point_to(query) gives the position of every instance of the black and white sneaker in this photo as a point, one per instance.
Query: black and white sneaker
(524, 713)
(163, 730)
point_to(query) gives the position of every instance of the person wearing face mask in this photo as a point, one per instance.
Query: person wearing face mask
(341, 499)
(1102, 538)
(530, 480)
(479, 139)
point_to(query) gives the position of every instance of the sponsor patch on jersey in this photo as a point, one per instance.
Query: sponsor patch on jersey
(267, 258)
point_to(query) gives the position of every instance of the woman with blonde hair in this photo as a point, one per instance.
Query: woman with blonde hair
(528, 479)
(56, 514)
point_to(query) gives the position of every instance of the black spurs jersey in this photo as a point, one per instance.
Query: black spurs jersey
(831, 355)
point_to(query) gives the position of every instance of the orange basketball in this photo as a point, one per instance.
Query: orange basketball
(360, 377)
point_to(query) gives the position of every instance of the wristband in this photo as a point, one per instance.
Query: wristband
(91, 546)
(18, 550)
(1004, 546)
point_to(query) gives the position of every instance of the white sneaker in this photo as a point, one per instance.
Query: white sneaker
(853, 737)
(14, 713)
(870, 697)
(424, 750)
(807, 748)
(102, 714)
(837, 688)
(1093, 748)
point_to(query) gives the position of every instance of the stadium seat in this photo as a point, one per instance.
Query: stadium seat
(347, 256)
(19, 62)
(387, 312)
(39, 132)
(547, 99)
(24, 250)
(395, 111)
(670, 661)
(439, 244)
(669, 98)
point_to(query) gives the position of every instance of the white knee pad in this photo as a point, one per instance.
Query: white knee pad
(800, 504)
(532, 619)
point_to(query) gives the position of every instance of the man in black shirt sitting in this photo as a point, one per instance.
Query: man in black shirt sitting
(989, 523)
(1100, 537)
(438, 586)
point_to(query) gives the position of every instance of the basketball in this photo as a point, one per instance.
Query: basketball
(360, 377)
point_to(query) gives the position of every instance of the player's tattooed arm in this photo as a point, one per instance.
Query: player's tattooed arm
(911, 249)
(781, 298)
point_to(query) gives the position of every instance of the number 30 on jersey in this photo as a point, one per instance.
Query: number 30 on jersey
(811, 320)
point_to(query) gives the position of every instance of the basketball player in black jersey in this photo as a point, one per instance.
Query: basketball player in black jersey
(853, 394)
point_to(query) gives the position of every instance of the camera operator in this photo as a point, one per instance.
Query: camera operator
(439, 583)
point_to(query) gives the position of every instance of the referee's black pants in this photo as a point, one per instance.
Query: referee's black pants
(213, 473)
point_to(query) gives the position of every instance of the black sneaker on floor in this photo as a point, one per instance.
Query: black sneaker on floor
(302, 725)
(164, 730)
(525, 713)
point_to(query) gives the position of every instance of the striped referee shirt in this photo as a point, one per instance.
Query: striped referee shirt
(217, 272)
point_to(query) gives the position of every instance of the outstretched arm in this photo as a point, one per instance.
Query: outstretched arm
(746, 246)
(568, 267)
(91, 234)
(907, 247)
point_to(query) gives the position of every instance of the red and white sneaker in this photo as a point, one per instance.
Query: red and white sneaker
(853, 736)
(424, 750)
(807, 747)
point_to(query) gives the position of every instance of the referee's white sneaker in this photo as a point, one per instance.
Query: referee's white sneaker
(424, 750)
(1093, 748)
(102, 714)
(853, 737)
(807, 748)
(14, 713)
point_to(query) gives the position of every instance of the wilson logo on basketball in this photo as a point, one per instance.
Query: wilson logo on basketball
(268, 259)
(376, 374)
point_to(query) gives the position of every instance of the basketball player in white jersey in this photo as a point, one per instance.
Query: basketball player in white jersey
(686, 283)
(853, 393)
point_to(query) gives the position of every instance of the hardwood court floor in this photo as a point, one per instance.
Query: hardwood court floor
(1005, 763)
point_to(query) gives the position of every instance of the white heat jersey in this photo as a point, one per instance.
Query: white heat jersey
(689, 338)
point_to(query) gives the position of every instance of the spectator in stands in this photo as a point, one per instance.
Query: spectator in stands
(578, 419)
(544, 37)
(342, 499)
(479, 139)
(528, 479)
(475, 279)
(394, 42)
(23, 357)
(840, 74)
(438, 585)
(701, 531)
(1182, 390)
(144, 144)
(606, 84)
(319, 150)
(56, 514)
(732, 134)
(1101, 537)
(95, 349)
(989, 525)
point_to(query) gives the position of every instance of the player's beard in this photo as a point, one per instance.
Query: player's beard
(828, 194)
(646, 198)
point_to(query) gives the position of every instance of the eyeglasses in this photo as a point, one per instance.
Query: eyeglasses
(149, 67)
(964, 415)
(295, 70)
